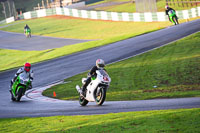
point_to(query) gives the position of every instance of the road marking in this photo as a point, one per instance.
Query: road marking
(36, 94)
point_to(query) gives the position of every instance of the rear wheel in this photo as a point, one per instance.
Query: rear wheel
(101, 96)
(82, 101)
(19, 94)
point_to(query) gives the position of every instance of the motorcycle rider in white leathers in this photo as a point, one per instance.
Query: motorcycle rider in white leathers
(100, 64)
(27, 70)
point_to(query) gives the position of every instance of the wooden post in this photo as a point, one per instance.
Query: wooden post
(169, 2)
(187, 3)
(191, 4)
(178, 3)
(60, 3)
(17, 16)
(196, 3)
(173, 3)
(38, 6)
(4, 9)
(43, 4)
(182, 3)
(47, 4)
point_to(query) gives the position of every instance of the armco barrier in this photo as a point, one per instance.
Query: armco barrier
(103, 15)
(3, 22)
(9, 20)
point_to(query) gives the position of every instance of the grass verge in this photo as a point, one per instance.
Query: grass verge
(181, 120)
(105, 32)
(170, 71)
(131, 6)
(70, 27)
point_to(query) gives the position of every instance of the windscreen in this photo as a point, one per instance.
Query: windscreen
(24, 76)
(103, 72)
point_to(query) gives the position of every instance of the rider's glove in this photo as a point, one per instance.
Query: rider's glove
(89, 75)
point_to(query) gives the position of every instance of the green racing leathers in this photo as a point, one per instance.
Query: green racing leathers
(17, 81)
(28, 32)
(173, 17)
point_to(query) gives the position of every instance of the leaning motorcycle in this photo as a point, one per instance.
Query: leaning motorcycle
(173, 17)
(20, 86)
(96, 90)
(28, 33)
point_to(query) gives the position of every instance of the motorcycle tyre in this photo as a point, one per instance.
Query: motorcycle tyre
(12, 97)
(19, 94)
(102, 97)
(28, 35)
(82, 101)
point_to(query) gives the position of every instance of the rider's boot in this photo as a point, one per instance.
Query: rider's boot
(83, 90)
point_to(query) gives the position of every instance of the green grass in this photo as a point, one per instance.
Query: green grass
(127, 7)
(105, 32)
(180, 120)
(174, 69)
(84, 28)
(131, 6)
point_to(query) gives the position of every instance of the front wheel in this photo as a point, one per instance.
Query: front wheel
(82, 101)
(12, 97)
(101, 96)
(19, 94)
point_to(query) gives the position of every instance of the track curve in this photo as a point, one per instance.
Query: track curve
(67, 66)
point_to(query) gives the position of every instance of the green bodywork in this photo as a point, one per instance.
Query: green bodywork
(28, 32)
(17, 85)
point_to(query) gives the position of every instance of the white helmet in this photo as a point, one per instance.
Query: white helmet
(166, 7)
(100, 63)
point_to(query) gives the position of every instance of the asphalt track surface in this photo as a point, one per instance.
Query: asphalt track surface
(20, 42)
(58, 69)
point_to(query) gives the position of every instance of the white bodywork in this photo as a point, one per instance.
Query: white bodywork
(102, 78)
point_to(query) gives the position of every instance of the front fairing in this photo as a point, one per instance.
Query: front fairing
(103, 77)
(22, 81)
(96, 83)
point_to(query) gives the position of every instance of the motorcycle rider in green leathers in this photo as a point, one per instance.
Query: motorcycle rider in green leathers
(27, 70)
(170, 12)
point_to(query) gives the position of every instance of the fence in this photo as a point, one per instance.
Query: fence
(103, 15)
(183, 3)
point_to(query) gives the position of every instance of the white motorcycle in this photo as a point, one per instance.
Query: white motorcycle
(96, 90)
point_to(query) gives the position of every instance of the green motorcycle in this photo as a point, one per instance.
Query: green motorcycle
(28, 33)
(173, 18)
(20, 86)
